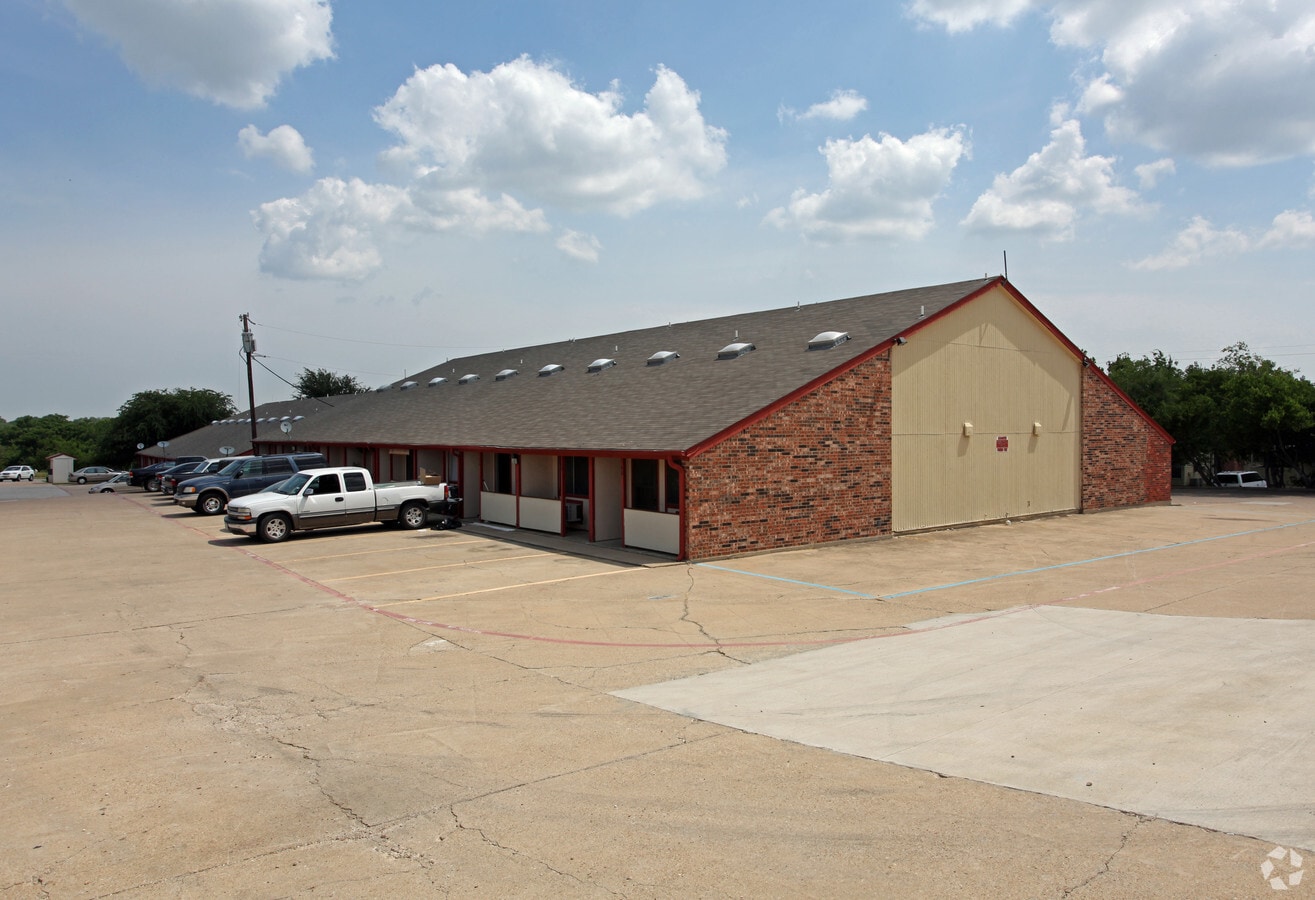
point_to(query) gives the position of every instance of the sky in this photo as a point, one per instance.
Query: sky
(385, 185)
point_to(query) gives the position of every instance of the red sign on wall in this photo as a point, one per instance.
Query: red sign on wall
(1002, 444)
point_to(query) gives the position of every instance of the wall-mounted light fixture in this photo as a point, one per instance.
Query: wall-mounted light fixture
(901, 341)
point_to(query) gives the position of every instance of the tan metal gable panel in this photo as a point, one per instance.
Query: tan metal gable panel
(991, 369)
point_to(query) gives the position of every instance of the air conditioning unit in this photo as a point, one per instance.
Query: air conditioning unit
(574, 512)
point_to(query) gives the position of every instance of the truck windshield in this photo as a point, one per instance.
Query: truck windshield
(292, 486)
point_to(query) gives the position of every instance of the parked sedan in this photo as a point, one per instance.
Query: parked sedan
(17, 473)
(120, 482)
(93, 473)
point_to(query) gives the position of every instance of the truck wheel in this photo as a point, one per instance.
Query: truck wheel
(413, 515)
(274, 528)
(153, 485)
(210, 504)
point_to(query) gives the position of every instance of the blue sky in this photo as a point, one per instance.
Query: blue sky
(384, 185)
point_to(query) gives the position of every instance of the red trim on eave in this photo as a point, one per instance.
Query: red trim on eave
(1082, 357)
(998, 281)
(707, 444)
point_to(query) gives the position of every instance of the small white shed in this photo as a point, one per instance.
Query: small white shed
(59, 467)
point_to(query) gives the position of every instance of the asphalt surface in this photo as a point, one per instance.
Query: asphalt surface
(1116, 705)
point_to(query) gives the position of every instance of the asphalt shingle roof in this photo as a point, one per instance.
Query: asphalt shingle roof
(631, 406)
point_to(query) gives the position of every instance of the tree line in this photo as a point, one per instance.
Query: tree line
(1240, 412)
(146, 419)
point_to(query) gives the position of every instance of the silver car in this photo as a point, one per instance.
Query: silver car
(93, 473)
(120, 482)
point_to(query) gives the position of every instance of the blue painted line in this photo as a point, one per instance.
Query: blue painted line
(1095, 559)
(824, 587)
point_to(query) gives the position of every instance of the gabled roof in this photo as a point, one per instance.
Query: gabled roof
(630, 406)
(235, 431)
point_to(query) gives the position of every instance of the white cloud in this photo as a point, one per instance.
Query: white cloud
(334, 229)
(584, 247)
(877, 188)
(1194, 243)
(1149, 174)
(964, 15)
(471, 145)
(233, 52)
(283, 146)
(525, 128)
(1200, 240)
(1047, 193)
(1291, 228)
(1230, 83)
(843, 106)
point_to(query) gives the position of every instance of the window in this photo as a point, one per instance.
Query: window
(644, 484)
(277, 465)
(673, 488)
(327, 484)
(502, 482)
(577, 475)
(355, 481)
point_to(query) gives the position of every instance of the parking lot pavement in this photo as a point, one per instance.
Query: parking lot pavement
(377, 712)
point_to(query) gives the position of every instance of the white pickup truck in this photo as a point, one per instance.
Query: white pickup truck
(330, 498)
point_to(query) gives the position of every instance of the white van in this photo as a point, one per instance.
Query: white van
(1240, 480)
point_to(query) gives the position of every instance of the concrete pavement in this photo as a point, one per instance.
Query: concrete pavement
(374, 712)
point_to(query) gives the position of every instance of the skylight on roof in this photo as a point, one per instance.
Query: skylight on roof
(468, 379)
(381, 388)
(505, 374)
(407, 385)
(662, 356)
(436, 381)
(599, 365)
(828, 339)
(736, 350)
(551, 369)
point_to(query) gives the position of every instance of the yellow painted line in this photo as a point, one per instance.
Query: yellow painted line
(460, 565)
(505, 587)
(368, 552)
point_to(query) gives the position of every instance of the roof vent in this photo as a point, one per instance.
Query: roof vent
(468, 379)
(828, 339)
(407, 385)
(662, 356)
(736, 350)
(435, 382)
(599, 365)
(551, 369)
(505, 374)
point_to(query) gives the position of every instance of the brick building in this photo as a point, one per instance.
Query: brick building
(926, 408)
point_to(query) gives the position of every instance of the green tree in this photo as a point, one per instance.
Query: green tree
(1241, 410)
(30, 440)
(153, 416)
(323, 383)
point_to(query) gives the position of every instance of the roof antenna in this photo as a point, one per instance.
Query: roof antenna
(1005, 253)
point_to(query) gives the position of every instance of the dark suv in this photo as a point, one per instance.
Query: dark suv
(209, 494)
(148, 477)
(170, 480)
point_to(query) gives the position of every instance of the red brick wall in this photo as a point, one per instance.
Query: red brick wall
(1125, 462)
(816, 470)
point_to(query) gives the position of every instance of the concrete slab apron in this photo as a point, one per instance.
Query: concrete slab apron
(1204, 721)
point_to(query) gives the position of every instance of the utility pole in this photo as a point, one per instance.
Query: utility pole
(249, 349)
